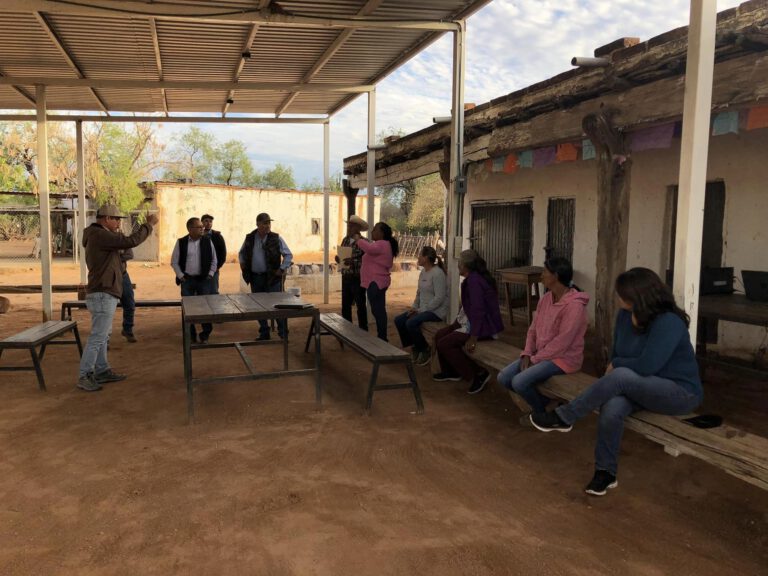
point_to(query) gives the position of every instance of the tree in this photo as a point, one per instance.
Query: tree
(279, 177)
(193, 157)
(426, 213)
(334, 183)
(234, 168)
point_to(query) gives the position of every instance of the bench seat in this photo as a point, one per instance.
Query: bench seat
(42, 335)
(373, 349)
(738, 453)
(68, 305)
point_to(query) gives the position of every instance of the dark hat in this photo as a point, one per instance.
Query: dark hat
(263, 217)
(204, 216)
(109, 210)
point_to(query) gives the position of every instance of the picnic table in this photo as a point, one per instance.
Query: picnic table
(223, 308)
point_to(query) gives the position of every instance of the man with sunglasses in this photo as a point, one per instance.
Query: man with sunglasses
(103, 245)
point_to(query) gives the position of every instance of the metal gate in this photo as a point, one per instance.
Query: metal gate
(560, 227)
(503, 235)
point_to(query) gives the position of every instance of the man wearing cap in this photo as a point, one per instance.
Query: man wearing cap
(194, 262)
(264, 258)
(103, 244)
(351, 290)
(218, 245)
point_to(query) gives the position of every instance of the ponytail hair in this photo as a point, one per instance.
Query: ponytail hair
(431, 254)
(386, 232)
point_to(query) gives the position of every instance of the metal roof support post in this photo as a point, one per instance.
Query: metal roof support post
(82, 207)
(455, 200)
(45, 206)
(326, 209)
(370, 161)
(694, 148)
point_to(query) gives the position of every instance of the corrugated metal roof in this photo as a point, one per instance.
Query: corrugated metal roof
(205, 41)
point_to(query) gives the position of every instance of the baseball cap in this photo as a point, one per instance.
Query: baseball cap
(263, 217)
(109, 210)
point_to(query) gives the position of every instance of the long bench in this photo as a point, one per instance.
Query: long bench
(373, 349)
(69, 305)
(42, 335)
(738, 453)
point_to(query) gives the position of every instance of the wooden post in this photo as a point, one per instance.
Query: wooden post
(613, 179)
(326, 210)
(351, 195)
(46, 257)
(82, 206)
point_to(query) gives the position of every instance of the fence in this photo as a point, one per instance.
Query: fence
(411, 245)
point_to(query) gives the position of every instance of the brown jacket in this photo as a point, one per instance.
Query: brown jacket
(102, 254)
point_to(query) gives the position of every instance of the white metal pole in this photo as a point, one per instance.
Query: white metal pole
(455, 200)
(326, 209)
(371, 158)
(82, 207)
(45, 206)
(694, 147)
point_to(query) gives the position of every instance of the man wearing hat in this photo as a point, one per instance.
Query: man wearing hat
(103, 245)
(218, 245)
(264, 257)
(351, 290)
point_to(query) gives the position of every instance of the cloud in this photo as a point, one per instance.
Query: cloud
(510, 44)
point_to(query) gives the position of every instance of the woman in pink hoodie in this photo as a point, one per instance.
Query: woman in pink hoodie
(555, 342)
(375, 271)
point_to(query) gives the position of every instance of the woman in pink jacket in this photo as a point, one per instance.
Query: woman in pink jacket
(375, 271)
(555, 342)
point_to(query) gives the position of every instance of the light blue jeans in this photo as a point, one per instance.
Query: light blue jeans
(524, 383)
(618, 395)
(102, 307)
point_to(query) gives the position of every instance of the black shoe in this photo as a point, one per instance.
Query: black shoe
(129, 336)
(109, 376)
(443, 377)
(203, 339)
(479, 382)
(548, 421)
(601, 482)
(264, 337)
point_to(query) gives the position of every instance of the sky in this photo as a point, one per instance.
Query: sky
(511, 44)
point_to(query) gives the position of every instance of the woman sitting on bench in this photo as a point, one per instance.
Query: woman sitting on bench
(555, 341)
(479, 319)
(430, 305)
(653, 367)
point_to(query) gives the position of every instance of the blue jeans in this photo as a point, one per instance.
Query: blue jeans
(102, 307)
(353, 293)
(378, 300)
(128, 302)
(525, 383)
(197, 286)
(410, 328)
(618, 395)
(259, 284)
(215, 283)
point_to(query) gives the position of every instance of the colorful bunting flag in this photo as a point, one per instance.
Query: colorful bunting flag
(726, 123)
(544, 156)
(757, 118)
(651, 138)
(525, 159)
(489, 165)
(498, 164)
(510, 164)
(567, 152)
(588, 150)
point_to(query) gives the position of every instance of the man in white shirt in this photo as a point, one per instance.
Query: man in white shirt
(194, 262)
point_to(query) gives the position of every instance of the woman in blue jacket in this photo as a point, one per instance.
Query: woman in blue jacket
(478, 319)
(653, 367)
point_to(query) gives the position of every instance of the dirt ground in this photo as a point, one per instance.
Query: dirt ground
(116, 482)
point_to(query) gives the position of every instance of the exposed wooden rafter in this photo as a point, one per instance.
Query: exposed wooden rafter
(59, 43)
(158, 61)
(335, 46)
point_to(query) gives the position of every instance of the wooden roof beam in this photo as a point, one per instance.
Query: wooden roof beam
(158, 60)
(59, 43)
(340, 40)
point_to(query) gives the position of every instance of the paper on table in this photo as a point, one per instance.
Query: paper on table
(343, 253)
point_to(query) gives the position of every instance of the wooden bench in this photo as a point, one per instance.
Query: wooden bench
(41, 335)
(69, 305)
(737, 452)
(38, 288)
(372, 348)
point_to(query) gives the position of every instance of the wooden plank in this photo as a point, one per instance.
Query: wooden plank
(733, 308)
(364, 342)
(196, 309)
(36, 335)
(223, 308)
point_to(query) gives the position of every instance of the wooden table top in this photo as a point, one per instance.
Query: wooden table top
(527, 271)
(733, 308)
(239, 306)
